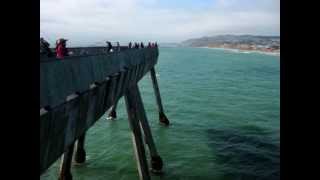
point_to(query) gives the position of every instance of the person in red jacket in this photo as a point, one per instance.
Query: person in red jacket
(61, 49)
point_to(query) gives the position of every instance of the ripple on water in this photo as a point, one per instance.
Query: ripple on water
(245, 153)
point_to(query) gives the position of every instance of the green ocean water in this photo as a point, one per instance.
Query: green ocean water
(224, 109)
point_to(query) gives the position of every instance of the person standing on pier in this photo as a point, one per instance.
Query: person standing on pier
(45, 48)
(141, 45)
(109, 47)
(61, 49)
(136, 45)
(130, 45)
(149, 45)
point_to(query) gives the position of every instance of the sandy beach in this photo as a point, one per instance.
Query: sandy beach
(244, 51)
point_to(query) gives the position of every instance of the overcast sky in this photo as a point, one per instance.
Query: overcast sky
(85, 22)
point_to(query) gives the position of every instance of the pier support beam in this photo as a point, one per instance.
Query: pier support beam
(156, 161)
(65, 167)
(80, 156)
(162, 117)
(114, 81)
(138, 145)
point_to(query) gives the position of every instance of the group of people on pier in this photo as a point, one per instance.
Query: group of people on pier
(61, 49)
(141, 45)
(130, 46)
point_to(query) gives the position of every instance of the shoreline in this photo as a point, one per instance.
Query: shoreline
(243, 51)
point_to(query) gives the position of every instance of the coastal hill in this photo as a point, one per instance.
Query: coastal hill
(241, 42)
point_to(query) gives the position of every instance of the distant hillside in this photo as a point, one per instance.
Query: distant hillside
(233, 39)
(270, 44)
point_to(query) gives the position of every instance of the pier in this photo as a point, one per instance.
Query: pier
(78, 90)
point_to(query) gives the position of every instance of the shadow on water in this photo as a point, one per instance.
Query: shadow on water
(246, 153)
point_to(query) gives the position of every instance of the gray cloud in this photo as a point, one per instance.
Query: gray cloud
(85, 21)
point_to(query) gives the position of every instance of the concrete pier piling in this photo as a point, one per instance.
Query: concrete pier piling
(113, 112)
(65, 166)
(133, 115)
(80, 153)
(162, 117)
(113, 96)
(156, 161)
(118, 91)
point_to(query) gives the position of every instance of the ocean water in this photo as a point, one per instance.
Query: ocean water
(224, 109)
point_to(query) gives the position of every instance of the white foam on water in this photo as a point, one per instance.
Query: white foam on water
(245, 52)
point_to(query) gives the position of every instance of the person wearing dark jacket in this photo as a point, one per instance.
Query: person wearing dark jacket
(141, 45)
(109, 46)
(136, 45)
(130, 45)
(45, 48)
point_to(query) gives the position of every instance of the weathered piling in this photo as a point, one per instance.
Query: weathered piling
(122, 80)
(80, 153)
(156, 161)
(133, 115)
(65, 167)
(113, 112)
(162, 117)
(113, 96)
